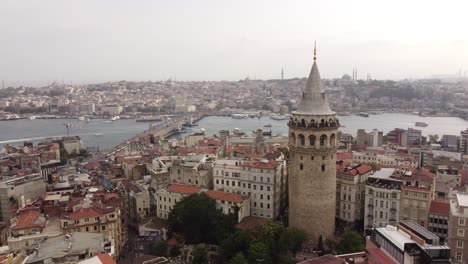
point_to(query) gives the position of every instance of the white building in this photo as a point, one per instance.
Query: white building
(112, 109)
(264, 181)
(382, 202)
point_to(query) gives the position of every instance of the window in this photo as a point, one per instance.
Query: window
(255, 187)
(268, 188)
(226, 174)
(268, 197)
(459, 256)
(103, 228)
(461, 232)
(301, 166)
(461, 221)
(261, 196)
(217, 181)
(261, 179)
(312, 158)
(95, 228)
(86, 220)
(323, 167)
(261, 187)
(268, 206)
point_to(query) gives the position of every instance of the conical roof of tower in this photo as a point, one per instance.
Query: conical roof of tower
(314, 101)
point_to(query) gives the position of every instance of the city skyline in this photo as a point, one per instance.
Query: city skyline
(89, 42)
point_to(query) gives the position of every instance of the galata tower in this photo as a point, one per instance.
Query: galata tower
(312, 168)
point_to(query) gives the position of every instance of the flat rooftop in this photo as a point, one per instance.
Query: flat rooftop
(396, 237)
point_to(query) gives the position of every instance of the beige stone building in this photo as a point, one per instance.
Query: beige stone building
(350, 191)
(415, 203)
(95, 219)
(313, 129)
(191, 170)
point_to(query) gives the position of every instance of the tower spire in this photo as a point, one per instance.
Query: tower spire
(315, 50)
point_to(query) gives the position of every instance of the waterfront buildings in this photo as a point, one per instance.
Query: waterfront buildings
(313, 132)
(372, 139)
(463, 142)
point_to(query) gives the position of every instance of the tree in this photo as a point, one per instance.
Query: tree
(259, 253)
(269, 234)
(160, 248)
(239, 258)
(200, 254)
(351, 242)
(84, 152)
(433, 138)
(174, 251)
(235, 243)
(292, 239)
(198, 219)
(320, 247)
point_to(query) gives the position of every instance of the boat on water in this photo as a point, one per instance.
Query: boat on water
(81, 118)
(190, 123)
(32, 117)
(279, 117)
(364, 114)
(268, 125)
(98, 134)
(240, 116)
(421, 124)
(11, 118)
(115, 118)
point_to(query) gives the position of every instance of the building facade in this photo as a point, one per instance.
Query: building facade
(458, 228)
(263, 181)
(313, 132)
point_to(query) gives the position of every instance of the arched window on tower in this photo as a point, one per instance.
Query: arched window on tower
(301, 139)
(303, 124)
(332, 140)
(323, 140)
(323, 167)
(301, 166)
(292, 139)
(312, 140)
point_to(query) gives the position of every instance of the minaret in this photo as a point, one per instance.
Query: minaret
(313, 130)
(282, 74)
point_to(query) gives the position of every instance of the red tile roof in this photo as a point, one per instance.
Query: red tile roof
(183, 189)
(439, 207)
(210, 143)
(257, 164)
(28, 220)
(251, 222)
(226, 196)
(344, 156)
(85, 213)
(347, 168)
(106, 258)
(376, 255)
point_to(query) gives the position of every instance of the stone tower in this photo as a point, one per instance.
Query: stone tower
(312, 169)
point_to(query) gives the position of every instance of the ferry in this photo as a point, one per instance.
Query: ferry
(11, 118)
(364, 114)
(32, 117)
(81, 118)
(268, 125)
(115, 118)
(98, 134)
(190, 123)
(421, 124)
(279, 117)
(240, 116)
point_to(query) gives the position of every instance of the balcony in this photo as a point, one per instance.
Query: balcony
(370, 206)
(393, 210)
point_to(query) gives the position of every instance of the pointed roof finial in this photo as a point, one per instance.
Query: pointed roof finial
(315, 50)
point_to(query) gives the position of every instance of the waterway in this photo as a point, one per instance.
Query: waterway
(116, 132)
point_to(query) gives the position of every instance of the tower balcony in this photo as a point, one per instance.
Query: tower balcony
(313, 126)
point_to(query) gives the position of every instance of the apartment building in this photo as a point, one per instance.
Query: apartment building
(350, 191)
(191, 170)
(438, 218)
(458, 228)
(225, 201)
(264, 181)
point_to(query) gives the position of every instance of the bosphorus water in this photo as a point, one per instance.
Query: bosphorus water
(114, 133)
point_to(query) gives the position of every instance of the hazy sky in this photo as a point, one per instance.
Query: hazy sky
(106, 40)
